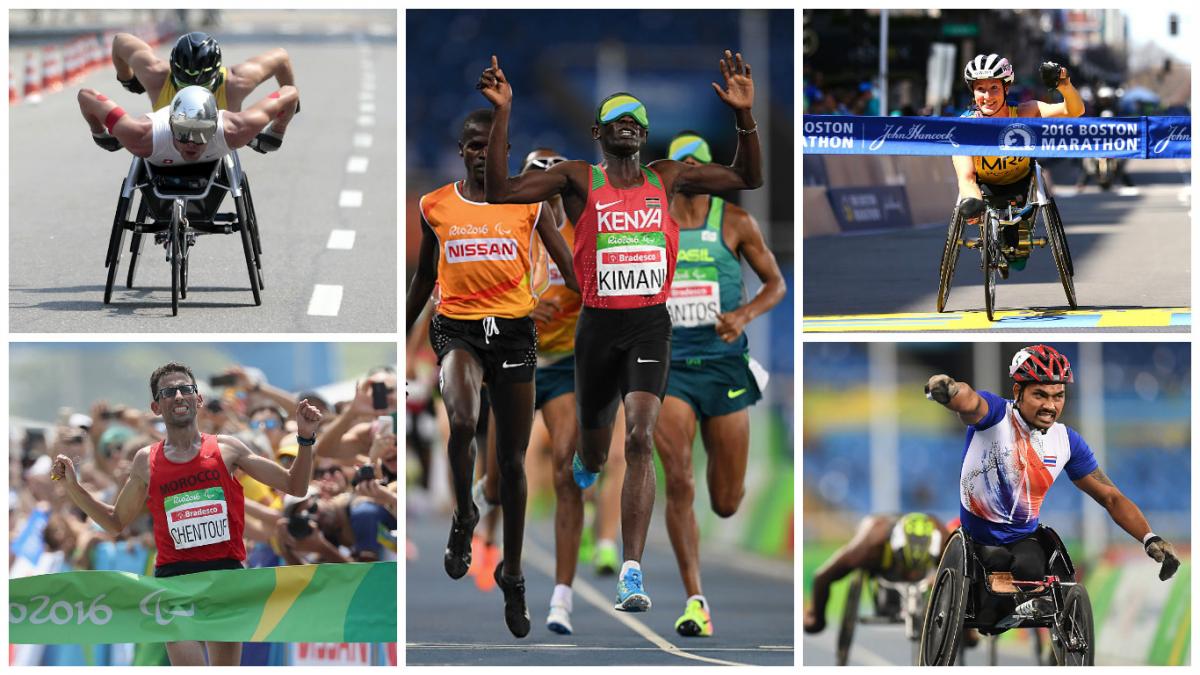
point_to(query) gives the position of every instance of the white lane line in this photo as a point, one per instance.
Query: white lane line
(569, 647)
(341, 240)
(350, 199)
(366, 107)
(366, 96)
(544, 562)
(366, 120)
(356, 165)
(368, 84)
(326, 300)
(362, 140)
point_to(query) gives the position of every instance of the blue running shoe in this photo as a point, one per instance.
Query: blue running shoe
(583, 477)
(631, 597)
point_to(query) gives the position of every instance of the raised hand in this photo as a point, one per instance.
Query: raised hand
(739, 87)
(62, 468)
(494, 86)
(308, 418)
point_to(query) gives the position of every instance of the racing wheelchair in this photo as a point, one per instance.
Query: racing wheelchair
(1017, 215)
(175, 205)
(965, 594)
(895, 602)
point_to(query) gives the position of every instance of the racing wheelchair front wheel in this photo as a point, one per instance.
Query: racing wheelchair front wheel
(174, 238)
(989, 245)
(1073, 637)
(1062, 253)
(850, 618)
(942, 630)
(949, 259)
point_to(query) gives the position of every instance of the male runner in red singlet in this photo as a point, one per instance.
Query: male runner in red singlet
(625, 250)
(189, 468)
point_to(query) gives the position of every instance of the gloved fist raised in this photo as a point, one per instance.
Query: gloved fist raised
(941, 388)
(1052, 74)
(1162, 552)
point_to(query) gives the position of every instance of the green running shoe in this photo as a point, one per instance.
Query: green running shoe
(695, 621)
(607, 561)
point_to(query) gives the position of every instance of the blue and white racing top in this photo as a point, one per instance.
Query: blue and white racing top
(1007, 468)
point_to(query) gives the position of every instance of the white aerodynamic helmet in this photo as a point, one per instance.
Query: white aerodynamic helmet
(988, 67)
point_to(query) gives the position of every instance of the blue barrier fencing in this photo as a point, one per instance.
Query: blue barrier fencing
(1167, 137)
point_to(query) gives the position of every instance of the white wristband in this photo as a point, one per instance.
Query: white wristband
(1147, 538)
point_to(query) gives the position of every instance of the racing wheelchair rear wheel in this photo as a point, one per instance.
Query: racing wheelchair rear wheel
(253, 219)
(135, 246)
(239, 204)
(116, 239)
(942, 630)
(949, 259)
(849, 617)
(1062, 254)
(1073, 638)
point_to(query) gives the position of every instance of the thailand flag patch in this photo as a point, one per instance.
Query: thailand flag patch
(1050, 460)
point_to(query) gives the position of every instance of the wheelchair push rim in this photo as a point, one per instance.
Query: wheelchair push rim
(849, 618)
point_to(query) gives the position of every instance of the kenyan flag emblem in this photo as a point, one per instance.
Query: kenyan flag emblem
(653, 203)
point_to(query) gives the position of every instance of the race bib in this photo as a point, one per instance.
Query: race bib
(695, 298)
(633, 263)
(197, 518)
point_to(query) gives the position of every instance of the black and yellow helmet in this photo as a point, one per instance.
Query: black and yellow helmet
(196, 61)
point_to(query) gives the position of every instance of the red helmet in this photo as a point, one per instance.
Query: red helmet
(1041, 363)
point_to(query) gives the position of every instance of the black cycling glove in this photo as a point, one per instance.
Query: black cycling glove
(1162, 551)
(1051, 73)
(132, 84)
(107, 141)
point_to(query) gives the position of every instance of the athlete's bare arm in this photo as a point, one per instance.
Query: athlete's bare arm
(242, 127)
(424, 278)
(556, 246)
(957, 396)
(274, 63)
(103, 115)
(132, 57)
(293, 480)
(861, 552)
(1071, 105)
(1125, 513)
(745, 173)
(964, 167)
(130, 500)
(530, 187)
(748, 242)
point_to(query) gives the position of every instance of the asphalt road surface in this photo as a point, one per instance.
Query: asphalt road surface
(1131, 249)
(325, 202)
(451, 622)
(887, 646)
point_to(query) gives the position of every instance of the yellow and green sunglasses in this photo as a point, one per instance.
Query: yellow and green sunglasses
(621, 105)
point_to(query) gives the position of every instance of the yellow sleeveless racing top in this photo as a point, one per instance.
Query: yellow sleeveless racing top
(557, 337)
(169, 90)
(1001, 170)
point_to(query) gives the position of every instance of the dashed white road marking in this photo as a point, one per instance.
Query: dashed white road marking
(367, 107)
(341, 240)
(350, 199)
(366, 95)
(362, 140)
(366, 120)
(326, 300)
(356, 165)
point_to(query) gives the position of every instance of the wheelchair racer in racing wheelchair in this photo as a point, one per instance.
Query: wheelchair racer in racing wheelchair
(1000, 181)
(895, 548)
(196, 61)
(188, 131)
(1015, 449)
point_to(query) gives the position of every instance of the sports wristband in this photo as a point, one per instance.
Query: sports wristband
(113, 115)
(1146, 539)
(746, 132)
(300, 440)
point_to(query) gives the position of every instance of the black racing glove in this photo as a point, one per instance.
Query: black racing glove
(107, 141)
(1161, 550)
(941, 388)
(1051, 74)
(132, 84)
(264, 143)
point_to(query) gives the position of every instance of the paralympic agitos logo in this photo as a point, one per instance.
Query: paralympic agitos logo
(916, 132)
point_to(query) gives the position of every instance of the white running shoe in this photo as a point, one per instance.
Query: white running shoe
(559, 620)
(480, 499)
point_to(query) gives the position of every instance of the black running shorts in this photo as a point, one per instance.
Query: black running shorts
(618, 351)
(182, 567)
(507, 348)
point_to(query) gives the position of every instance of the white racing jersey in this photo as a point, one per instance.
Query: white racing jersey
(165, 154)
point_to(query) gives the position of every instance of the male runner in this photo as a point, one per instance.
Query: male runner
(196, 61)
(191, 129)
(478, 255)
(625, 249)
(895, 548)
(710, 377)
(1015, 450)
(556, 314)
(172, 476)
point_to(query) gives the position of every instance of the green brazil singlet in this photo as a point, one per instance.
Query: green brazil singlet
(708, 281)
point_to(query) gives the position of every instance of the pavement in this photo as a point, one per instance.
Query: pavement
(1131, 249)
(887, 646)
(451, 622)
(326, 207)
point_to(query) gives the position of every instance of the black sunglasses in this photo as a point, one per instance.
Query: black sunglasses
(170, 392)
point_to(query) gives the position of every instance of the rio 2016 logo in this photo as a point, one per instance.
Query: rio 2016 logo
(1017, 137)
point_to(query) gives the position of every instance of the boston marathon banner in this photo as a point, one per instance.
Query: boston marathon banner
(354, 602)
(1115, 137)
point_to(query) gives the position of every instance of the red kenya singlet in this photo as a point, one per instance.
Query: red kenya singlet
(625, 244)
(198, 509)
